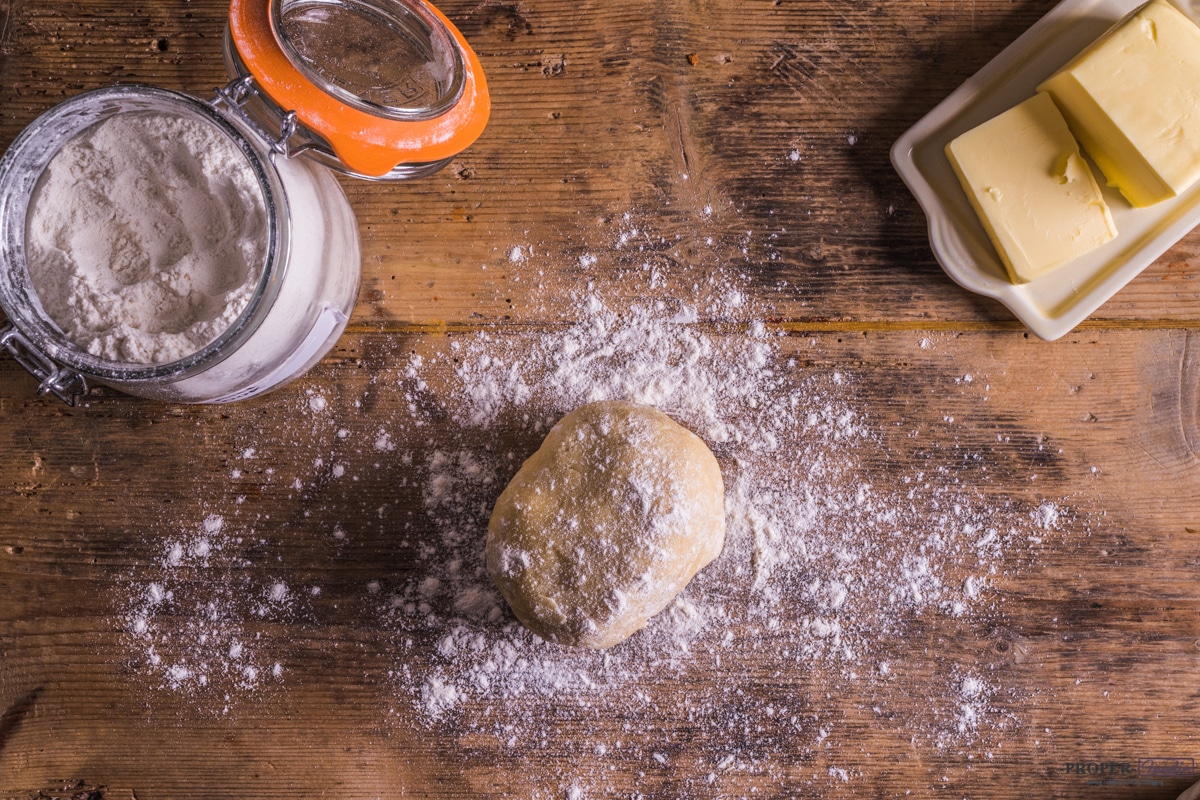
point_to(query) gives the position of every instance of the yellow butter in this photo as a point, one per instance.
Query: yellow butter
(1133, 100)
(1032, 189)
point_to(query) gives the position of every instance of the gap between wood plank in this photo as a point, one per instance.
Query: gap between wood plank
(816, 326)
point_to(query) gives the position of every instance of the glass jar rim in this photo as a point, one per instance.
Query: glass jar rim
(21, 168)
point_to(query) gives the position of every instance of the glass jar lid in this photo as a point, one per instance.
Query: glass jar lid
(384, 82)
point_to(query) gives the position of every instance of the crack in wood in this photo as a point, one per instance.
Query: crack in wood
(6, 15)
(1189, 395)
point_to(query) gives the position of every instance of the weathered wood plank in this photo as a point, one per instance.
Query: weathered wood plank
(599, 112)
(1086, 643)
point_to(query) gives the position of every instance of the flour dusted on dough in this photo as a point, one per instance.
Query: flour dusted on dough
(606, 523)
(146, 237)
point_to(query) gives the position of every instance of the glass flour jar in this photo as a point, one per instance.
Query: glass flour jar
(304, 98)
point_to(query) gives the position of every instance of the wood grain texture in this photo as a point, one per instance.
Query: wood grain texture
(600, 112)
(1093, 635)
(632, 145)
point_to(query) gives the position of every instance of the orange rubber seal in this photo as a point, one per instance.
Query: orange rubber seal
(367, 144)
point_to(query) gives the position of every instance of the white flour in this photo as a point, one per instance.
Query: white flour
(817, 617)
(193, 619)
(146, 237)
(810, 541)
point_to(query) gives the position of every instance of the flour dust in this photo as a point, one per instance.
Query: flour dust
(838, 568)
(833, 571)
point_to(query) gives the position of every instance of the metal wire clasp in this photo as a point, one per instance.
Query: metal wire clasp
(240, 91)
(65, 384)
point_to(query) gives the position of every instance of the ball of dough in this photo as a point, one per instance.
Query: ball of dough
(605, 524)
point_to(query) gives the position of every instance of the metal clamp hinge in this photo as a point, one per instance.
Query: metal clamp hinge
(65, 384)
(237, 93)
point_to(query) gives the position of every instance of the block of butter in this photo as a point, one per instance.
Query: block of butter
(1132, 99)
(1032, 189)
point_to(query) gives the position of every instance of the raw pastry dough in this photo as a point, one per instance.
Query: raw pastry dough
(605, 524)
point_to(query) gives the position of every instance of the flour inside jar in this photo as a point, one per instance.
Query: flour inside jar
(146, 237)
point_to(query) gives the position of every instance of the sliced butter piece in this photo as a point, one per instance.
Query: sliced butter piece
(1133, 100)
(1032, 189)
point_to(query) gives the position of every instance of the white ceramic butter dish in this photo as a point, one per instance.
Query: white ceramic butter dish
(1054, 304)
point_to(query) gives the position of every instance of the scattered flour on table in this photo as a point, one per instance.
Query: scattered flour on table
(146, 237)
(829, 580)
(810, 538)
(195, 616)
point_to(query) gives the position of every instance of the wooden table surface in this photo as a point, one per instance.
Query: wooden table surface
(1023, 517)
